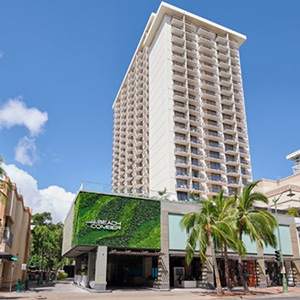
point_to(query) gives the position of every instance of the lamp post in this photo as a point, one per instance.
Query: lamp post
(284, 280)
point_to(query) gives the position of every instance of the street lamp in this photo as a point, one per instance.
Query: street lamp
(284, 280)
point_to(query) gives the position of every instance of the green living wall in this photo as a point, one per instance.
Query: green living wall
(140, 221)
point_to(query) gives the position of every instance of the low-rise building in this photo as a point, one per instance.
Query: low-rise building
(15, 220)
(121, 240)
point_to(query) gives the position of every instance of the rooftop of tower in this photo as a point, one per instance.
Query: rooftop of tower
(168, 9)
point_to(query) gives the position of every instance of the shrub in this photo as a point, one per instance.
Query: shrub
(62, 275)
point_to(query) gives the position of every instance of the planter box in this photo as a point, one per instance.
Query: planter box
(84, 280)
(189, 283)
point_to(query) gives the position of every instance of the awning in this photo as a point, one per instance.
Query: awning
(6, 255)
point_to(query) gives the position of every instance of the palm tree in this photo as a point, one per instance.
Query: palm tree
(204, 229)
(258, 224)
(225, 209)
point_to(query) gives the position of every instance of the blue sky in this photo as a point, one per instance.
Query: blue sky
(68, 58)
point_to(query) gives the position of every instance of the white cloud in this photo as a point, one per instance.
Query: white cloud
(53, 199)
(15, 112)
(25, 152)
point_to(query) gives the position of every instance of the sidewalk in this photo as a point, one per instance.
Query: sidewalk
(66, 291)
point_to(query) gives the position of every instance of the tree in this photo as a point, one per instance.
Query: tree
(293, 212)
(225, 210)
(258, 224)
(46, 242)
(204, 229)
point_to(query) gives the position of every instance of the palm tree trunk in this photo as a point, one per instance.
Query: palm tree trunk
(241, 271)
(228, 283)
(215, 265)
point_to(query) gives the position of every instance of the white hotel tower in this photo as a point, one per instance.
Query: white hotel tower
(179, 115)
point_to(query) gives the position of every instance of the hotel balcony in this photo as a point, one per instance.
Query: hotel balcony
(214, 190)
(179, 67)
(177, 30)
(221, 39)
(205, 40)
(209, 104)
(206, 33)
(180, 162)
(227, 100)
(207, 94)
(213, 115)
(180, 129)
(190, 35)
(192, 70)
(182, 187)
(227, 91)
(181, 140)
(177, 22)
(194, 120)
(182, 175)
(195, 131)
(205, 66)
(215, 136)
(192, 79)
(232, 161)
(195, 142)
(180, 117)
(179, 86)
(213, 157)
(180, 76)
(214, 169)
(181, 151)
(176, 47)
(230, 140)
(207, 124)
(224, 64)
(208, 76)
(178, 57)
(223, 55)
(227, 109)
(189, 26)
(223, 72)
(208, 85)
(197, 165)
(179, 96)
(204, 56)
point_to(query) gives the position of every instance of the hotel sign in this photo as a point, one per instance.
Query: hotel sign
(104, 224)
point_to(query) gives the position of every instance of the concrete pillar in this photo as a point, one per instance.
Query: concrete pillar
(147, 267)
(101, 268)
(261, 269)
(77, 264)
(163, 260)
(207, 275)
(91, 266)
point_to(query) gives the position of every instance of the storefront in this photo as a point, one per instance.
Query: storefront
(120, 241)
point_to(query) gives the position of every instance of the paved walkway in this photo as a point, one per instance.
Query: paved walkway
(67, 291)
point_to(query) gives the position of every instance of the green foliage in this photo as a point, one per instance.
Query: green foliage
(62, 275)
(46, 243)
(140, 221)
(293, 212)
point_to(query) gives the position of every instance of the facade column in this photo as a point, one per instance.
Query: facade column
(101, 269)
(207, 275)
(163, 260)
(91, 266)
(261, 269)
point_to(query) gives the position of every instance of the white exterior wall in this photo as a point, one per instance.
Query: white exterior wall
(161, 134)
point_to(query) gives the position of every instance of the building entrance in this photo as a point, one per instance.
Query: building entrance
(131, 270)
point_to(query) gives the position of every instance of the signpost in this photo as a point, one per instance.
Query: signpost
(14, 259)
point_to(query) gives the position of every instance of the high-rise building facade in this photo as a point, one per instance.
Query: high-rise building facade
(179, 115)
